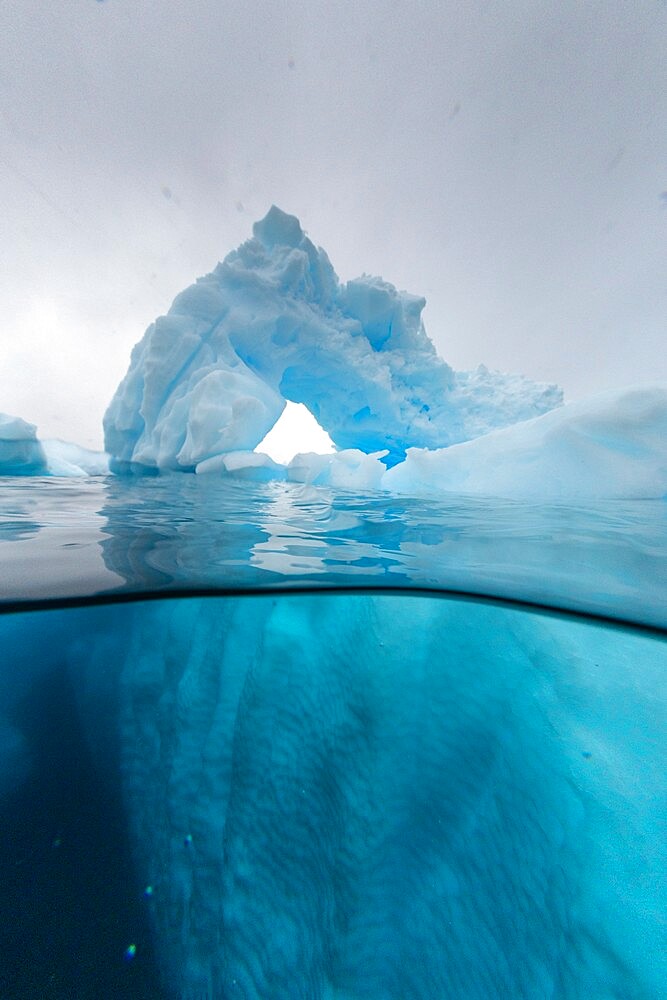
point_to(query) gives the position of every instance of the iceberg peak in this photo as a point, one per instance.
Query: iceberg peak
(277, 228)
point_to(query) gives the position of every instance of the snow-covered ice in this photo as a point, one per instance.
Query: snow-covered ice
(610, 446)
(63, 458)
(273, 323)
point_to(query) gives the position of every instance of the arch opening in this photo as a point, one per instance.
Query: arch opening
(296, 430)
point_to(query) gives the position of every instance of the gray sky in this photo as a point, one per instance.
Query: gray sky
(507, 160)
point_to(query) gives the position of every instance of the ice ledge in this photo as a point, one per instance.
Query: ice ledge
(612, 445)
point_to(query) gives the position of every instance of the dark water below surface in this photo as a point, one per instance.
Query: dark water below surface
(70, 898)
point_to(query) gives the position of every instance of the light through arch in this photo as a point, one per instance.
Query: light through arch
(296, 431)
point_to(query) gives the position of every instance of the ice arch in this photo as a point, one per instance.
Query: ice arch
(273, 323)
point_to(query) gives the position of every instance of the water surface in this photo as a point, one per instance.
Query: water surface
(114, 537)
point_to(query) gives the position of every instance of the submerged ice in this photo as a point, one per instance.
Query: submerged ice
(273, 323)
(355, 796)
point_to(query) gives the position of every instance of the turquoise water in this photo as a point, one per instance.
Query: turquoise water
(377, 791)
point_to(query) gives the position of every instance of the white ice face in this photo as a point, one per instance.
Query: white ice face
(273, 323)
(610, 446)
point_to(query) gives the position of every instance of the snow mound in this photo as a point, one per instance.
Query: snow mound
(273, 323)
(67, 459)
(613, 445)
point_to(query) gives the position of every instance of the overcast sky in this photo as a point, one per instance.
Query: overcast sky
(508, 160)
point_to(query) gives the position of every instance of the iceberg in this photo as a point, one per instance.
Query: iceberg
(273, 323)
(344, 794)
(23, 454)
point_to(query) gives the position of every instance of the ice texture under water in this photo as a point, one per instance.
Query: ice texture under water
(376, 795)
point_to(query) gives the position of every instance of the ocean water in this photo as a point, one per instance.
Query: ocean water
(263, 741)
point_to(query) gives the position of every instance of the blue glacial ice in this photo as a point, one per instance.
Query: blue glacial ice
(23, 454)
(273, 323)
(356, 796)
